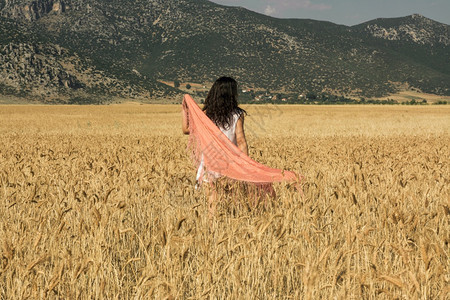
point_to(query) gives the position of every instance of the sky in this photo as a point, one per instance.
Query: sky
(346, 12)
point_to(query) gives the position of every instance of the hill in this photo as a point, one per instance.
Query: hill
(92, 51)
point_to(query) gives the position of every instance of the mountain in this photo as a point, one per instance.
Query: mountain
(94, 50)
(418, 50)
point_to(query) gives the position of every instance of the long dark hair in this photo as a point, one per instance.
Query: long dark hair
(222, 102)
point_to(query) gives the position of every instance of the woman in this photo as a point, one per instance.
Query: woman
(221, 106)
(219, 146)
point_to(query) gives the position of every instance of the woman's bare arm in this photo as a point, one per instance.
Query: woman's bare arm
(185, 121)
(240, 135)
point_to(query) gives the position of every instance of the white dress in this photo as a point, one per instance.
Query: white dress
(231, 135)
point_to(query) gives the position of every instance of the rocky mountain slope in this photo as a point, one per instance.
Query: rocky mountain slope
(93, 50)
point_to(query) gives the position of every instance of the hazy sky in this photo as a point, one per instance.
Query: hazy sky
(348, 12)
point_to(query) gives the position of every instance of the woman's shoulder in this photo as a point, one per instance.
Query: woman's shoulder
(240, 112)
(238, 115)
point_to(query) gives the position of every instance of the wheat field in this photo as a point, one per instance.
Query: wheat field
(98, 202)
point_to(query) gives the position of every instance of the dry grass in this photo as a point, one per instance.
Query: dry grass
(409, 95)
(99, 202)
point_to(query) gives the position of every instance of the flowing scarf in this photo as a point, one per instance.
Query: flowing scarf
(219, 155)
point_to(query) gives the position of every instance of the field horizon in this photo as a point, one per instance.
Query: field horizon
(401, 96)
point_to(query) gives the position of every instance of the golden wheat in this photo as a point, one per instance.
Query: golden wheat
(99, 202)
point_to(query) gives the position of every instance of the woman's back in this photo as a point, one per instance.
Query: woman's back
(231, 131)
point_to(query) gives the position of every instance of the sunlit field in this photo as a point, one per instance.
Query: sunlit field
(98, 202)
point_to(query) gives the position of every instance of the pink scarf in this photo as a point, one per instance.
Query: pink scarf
(220, 155)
